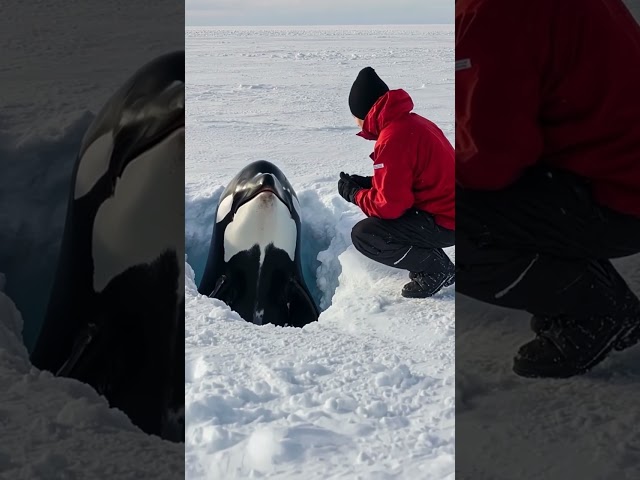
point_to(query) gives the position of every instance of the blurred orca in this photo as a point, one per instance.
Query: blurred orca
(115, 317)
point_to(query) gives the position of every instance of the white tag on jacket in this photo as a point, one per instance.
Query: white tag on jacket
(463, 64)
(378, 165)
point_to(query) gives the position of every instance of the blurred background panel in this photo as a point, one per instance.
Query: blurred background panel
(62, 62)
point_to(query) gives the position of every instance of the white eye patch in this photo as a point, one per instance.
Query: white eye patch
(224, 208)
(93, 164)
(142, 220)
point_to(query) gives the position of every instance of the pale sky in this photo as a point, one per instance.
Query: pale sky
(317, 12)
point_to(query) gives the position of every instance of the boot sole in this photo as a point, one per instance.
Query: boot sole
(629, 340)
(625, 336)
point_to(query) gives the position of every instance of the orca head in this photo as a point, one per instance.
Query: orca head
(130, 172)
(255, 179)
(143, 113)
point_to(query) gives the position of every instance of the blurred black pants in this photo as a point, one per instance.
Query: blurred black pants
(542, 245)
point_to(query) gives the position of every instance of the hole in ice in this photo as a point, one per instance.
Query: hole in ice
(320, 265)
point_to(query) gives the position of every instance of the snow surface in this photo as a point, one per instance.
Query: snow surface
(367, 392)
(59, 428)
(509, 427)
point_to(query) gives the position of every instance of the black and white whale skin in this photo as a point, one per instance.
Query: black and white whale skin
(254, 255)
(115, 317)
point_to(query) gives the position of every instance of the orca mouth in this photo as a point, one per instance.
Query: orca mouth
(264, 189)
(159, 136)
(169, 129)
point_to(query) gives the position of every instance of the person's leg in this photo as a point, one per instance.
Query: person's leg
(525, 247)
(543, 246)
(413, 242)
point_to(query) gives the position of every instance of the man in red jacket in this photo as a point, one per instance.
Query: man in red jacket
(548, 172)
(410, 199)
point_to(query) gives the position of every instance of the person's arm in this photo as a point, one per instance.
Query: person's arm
(391, 194)
(500, 48)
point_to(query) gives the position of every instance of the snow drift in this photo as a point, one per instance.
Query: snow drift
(56, 427)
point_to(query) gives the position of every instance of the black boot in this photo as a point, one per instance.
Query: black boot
(631, 337)
(599, 314)
(567, 346)
(425, 285)
(539, 324)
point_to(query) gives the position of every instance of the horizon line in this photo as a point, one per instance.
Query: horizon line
(332, 25)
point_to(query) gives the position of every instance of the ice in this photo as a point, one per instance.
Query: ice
(366, 392)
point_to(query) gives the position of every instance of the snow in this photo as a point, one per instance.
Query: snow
(367, 392)
(52, 424)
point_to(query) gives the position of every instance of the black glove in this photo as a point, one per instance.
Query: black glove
(347, 188)
(364, 182)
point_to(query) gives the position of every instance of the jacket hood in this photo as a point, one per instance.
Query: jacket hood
(392, 105)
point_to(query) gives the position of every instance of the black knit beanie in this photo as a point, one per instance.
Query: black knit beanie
(365, 92)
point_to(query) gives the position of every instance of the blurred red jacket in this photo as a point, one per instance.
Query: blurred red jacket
(551, 82)
(414, 163)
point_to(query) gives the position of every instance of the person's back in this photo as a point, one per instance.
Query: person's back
(561, 97)
(416, 148)
(435, 181)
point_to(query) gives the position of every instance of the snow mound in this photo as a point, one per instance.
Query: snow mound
(52, 424)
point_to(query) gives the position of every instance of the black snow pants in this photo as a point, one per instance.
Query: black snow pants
(542, 245)
(412, 242)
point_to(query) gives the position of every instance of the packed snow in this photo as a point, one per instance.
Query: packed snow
(59, 428)
(367, 392)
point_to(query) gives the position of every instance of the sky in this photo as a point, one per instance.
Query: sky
(317, 12)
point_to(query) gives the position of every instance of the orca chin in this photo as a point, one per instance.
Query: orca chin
(254, 257)
(266, 190)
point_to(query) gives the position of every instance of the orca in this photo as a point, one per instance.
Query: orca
(253, 263)
(115, 316)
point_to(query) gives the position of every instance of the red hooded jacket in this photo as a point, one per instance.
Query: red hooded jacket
(414, 163)
(551, 82)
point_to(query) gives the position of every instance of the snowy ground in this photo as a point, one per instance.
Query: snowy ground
(59, 428)
(57, 70)
(368, 391)
(585, 427)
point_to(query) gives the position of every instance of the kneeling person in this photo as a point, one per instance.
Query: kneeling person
(410, 199)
